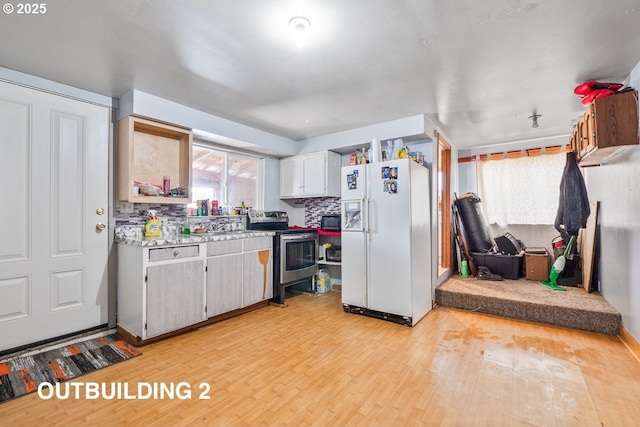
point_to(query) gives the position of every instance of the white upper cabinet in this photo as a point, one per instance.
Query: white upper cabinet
(310, 175)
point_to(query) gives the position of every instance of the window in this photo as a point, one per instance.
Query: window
(523, 190)
(228, 177)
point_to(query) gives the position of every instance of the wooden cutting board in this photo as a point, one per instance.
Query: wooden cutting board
(588, 245)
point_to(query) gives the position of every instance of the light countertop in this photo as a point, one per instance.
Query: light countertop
(135, 236)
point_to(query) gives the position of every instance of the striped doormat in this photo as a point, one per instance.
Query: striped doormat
(21, 375)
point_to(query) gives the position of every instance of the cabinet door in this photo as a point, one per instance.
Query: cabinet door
(258, 280)
(224, 284)
(175, 296)
(573, 142)
(583, 136)
(314, 174)
(290, 178)
(589, 118)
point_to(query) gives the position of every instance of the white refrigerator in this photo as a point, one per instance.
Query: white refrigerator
(386, 240)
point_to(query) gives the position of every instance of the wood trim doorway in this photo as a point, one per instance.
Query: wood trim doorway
(444, 205)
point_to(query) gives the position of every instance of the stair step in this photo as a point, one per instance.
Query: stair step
(529, 300)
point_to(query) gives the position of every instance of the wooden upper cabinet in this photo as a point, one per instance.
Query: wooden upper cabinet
(147, 152)
(608, 126)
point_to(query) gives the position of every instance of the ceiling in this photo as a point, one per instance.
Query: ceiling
(478, 69)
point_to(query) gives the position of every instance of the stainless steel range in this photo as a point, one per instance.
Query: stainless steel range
(295, 251)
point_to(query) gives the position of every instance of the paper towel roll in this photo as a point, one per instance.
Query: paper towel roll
(375, 150)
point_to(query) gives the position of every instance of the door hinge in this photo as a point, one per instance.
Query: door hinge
(145, 326)
(145, 278)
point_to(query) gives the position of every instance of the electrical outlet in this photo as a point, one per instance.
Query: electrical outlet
(127, 208)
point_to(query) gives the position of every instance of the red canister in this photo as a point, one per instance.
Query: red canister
(166, 185)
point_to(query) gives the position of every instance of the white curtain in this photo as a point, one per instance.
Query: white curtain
(523, 190)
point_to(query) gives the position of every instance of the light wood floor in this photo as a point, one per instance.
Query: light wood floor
(312, 364)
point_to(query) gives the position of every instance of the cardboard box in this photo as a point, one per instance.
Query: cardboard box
(537, 263)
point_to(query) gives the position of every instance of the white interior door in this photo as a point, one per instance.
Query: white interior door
(53, 255)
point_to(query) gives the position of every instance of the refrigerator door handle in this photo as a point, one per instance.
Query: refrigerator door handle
(370, 220)
(365, 215)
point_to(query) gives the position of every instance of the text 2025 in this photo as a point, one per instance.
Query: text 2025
(31, 8)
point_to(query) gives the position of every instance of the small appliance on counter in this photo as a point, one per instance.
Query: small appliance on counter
(333, 254)
(329, 252)
(330, 223)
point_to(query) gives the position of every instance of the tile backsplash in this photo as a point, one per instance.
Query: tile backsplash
(135, 215)
(316, 207)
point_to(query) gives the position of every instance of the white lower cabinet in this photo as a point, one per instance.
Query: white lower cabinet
(239, 274)
(224, 277)
(257, 268)
(175, 293)
(160, 289)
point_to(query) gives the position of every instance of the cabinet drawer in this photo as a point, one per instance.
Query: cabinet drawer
(256, 243)
(176, 252)
(224, 247)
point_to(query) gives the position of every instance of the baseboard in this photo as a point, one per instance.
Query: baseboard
(630, 342)
(137, 341)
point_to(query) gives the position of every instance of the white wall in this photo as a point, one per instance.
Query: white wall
(409, 127)
(467, 178)
(271, 184)
(617, 186)
(223, 131)
(45, 85)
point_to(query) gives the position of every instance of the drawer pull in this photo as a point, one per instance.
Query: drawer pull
(175, 253)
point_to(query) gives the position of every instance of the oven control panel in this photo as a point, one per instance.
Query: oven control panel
(256, 216)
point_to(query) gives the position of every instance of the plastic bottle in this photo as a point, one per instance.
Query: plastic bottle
(389, 150)
(323, 283)
(397, 146)
(374, 151)
(464, 269)
(152, 227)
(186, 227)
(166, 185)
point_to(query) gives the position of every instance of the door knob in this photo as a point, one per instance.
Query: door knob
(100, 226)
(100, 211)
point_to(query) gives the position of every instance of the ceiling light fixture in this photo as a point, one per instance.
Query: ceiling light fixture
(534, 118)
(299, 23)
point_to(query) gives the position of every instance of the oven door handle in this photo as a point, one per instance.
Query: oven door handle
(302, 236)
